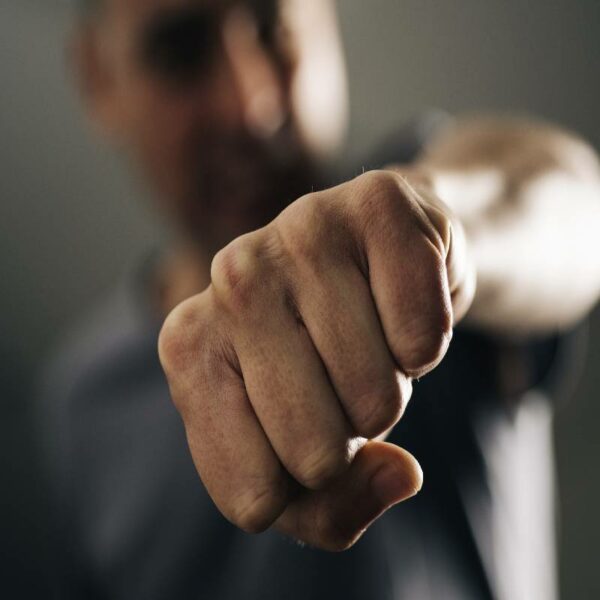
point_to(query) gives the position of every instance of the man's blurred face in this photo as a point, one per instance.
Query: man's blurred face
(224, 103)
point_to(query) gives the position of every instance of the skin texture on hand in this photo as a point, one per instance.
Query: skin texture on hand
(303, 348)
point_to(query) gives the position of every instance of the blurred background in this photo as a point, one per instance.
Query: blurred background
(71, 220)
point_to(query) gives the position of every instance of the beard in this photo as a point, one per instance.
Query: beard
(242, 183)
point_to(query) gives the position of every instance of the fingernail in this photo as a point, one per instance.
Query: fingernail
(390, 486)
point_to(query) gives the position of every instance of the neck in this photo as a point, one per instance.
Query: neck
(183, 272)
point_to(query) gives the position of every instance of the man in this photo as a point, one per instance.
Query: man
(291, 351)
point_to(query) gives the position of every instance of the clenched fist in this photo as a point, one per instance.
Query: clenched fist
(302, 350)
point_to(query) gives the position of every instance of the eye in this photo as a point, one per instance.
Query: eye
(179, 46)
(273, 31)
(267, 30)
(266, 17)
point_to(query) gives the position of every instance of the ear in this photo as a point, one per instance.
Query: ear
(94, 78)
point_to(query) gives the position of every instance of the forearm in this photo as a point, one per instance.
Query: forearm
(528, 196)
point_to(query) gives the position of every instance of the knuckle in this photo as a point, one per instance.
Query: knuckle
(192, 349)
(321, 466)
(177, 335)
(376, 191)
(302, 229)
(379, 182)
(236, 272)
(256, 509)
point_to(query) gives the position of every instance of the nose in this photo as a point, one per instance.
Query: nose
(253, 89)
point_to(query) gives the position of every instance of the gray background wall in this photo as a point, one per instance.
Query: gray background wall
(71, 219)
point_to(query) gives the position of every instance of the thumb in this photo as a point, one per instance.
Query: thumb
(380, 476)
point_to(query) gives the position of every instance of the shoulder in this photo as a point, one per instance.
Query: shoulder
(107, 341)
(95, 366)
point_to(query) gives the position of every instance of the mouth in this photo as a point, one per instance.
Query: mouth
(240, 172)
